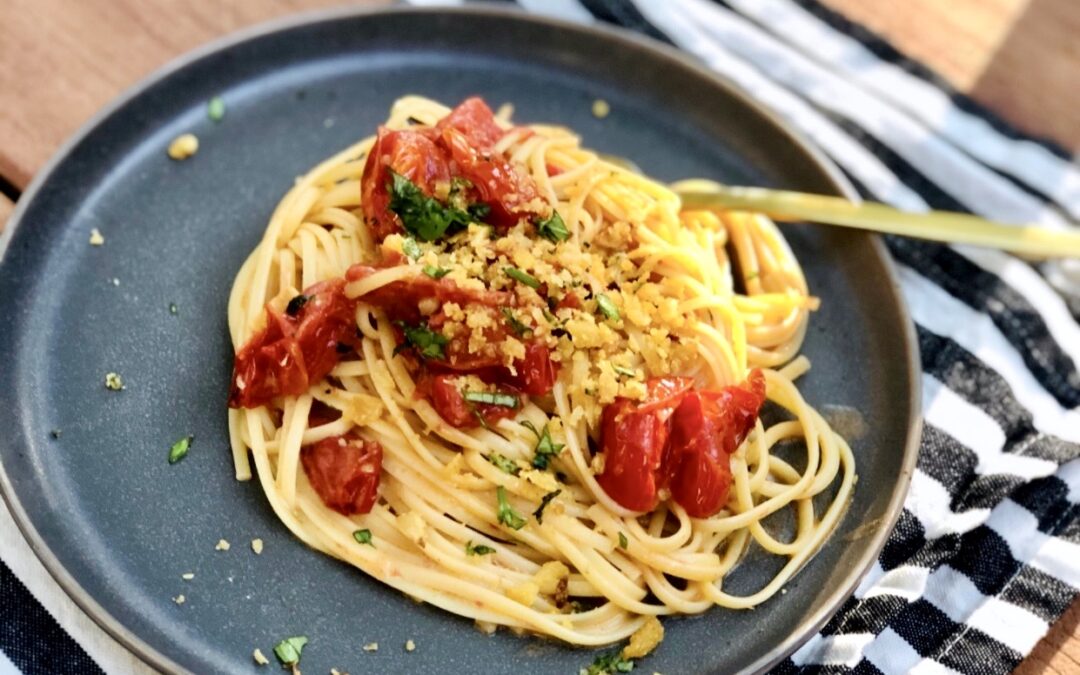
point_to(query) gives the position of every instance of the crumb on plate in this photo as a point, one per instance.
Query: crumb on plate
(183, 146)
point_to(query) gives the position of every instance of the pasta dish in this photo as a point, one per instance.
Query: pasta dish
(519, 382)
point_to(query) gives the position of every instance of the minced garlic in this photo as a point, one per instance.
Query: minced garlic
(524, 593)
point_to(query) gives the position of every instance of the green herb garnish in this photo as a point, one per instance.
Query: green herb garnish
(427, 343)
(544, 501)
(296, 304)
(215, 109)
(623, 541)
(179, 449)
(435, 272)
(546, 449)
(628, 372)
(410, 248)
(506, 513)
(553, 229)
(477, 549)
(505, 464)
(612, 662)
(491, 398)
(515, 324)
(363, 537)
(288, 650)
(423, 216)
(517, 275)
(607, 307)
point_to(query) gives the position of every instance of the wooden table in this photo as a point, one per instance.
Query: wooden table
(65, 59)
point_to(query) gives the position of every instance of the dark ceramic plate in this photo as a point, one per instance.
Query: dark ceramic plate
(117, 525)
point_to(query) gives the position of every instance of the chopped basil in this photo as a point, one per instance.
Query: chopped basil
(607, 307)
(506, 513)
(477, 549)
(623, 541)
(423, 216)
(612, 662)
(515, 324)
(505, 464)
(215, 109)
(539, 512)
(435, 272)
(628, 372)
(427, 343)
(517, 275)
(491, 398)
(410, 248)
(546, 449)
(363, 537)
(288, 650)
(296, 304)
(179, 449)
(553, 229)
(550, 317)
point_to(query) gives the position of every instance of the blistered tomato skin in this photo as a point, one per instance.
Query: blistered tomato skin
(344, 471)
(678, 438)
(295, 350)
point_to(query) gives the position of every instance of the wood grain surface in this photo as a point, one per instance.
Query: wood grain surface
(1020, 58)
(64, 59)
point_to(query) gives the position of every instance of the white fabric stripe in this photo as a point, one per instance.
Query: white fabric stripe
(841, 650)
(973, 184)
(929, 501)
(943, 314)
(891, 654)
(6, 666)
(844, 150)
(1070, 473)
(1019, 528)
(1030, 284)
(957, 597)
(906, 581)
(1030, 162)
(570, 10)
(971, 426)
(24, 564)
(870, 581)
(930, 667)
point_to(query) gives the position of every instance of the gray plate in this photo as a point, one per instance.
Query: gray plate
(117, 525)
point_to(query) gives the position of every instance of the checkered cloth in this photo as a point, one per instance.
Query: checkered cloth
(986, 554)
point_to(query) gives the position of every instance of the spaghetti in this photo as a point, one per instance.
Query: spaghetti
(520, 383)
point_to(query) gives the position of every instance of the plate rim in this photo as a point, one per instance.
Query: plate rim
(806, 628)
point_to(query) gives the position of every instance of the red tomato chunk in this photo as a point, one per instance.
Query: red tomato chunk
(344, 471)
(295, 350)
(678, 438)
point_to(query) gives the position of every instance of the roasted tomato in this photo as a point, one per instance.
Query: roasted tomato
(634, 437)
(344, 471)
(297, 348)
(410, 153)
(535, 373)
(445, 396)
(685, 442)
(474, 119)
(510, 194)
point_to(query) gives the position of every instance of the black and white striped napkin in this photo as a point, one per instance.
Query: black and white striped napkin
(986, 555)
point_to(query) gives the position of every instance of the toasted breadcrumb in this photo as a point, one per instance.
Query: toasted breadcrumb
(179, 599)
(600, 108)
(187, 576)
(95, 237)
(113, 381)
(183, 146)
(257, 546)
(259, 657)
(410, 646)
(222, 545)
(644, 639)
(371, 647)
